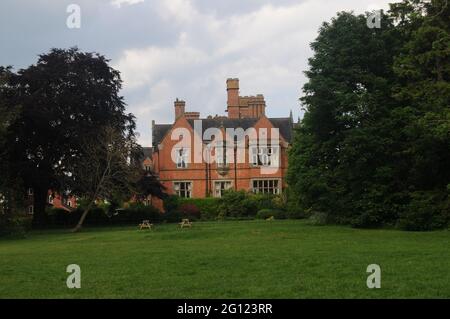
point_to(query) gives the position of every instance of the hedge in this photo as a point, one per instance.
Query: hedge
(99, 217)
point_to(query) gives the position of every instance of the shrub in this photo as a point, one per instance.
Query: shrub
(171, 203)
(189, 211)
(294, 213)
(318, 218)
(97, 216)
(236, 204)
(61, 217)
(292, 205)
(208, 207)
(423, 214)
(270, 212)
(173, 216)
(367, 219)
(14, 226)
(136, 213)
(263, 201)
(243, 204)
(233, 204)
(198, 208)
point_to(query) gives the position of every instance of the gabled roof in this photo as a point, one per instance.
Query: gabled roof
(158, 132)
(284, 124)
(148, 152)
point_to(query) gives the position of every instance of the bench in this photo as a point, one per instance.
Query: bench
(185, 223)
(145, 224)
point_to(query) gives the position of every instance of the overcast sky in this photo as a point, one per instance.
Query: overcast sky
(181, 48)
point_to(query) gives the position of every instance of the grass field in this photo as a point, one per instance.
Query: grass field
(245, 259)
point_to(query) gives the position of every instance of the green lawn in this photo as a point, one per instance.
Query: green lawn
(245, 259)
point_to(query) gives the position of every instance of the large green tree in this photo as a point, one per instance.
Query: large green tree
(10, 186)
(347, 95)
(365, 141)
(423, 95)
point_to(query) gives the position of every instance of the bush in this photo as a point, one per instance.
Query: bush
(318, 218)
(171, 203)
(189, 211)
(99, 216)
(173, 216)
(237, 204)
(61, 217)
(243, 204)
(193, 208)
(371, 218)
(233, 204)
(135, 214)
(208, 207)
(14, 226)
(293, 206)
(424, 213)
(269, 212)
(294, 213)
(264, 201)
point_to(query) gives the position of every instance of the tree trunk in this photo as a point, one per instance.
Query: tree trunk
(83, 217)
(39, 203)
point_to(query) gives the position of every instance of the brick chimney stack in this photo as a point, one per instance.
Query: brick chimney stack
(233, 98)
(256, 106)
(180, 107)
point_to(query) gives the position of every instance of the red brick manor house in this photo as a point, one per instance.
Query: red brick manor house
(182, 175)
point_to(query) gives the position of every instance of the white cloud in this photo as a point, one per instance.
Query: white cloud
(180, 11)
(143, 67)
(119, 3)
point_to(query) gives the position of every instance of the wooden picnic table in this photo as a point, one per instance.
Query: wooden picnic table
(145, 224)
(185, 223)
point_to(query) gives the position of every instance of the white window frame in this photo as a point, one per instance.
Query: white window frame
(266, 186)
(187, 190)
(222, 150)
(31, 210)
(218, 192)
(182, 155)
(260, 154)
